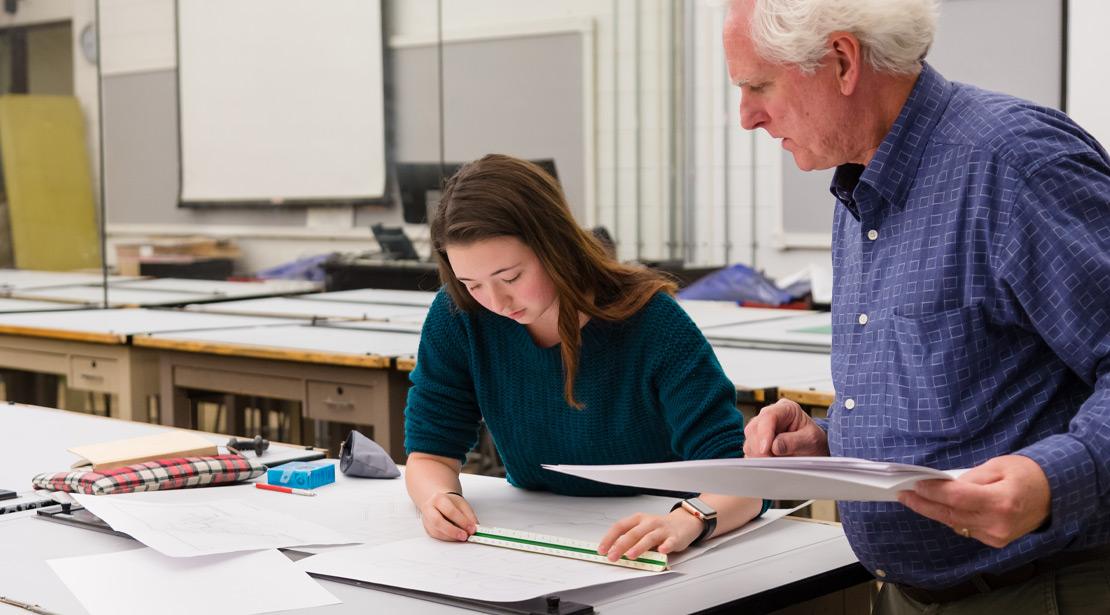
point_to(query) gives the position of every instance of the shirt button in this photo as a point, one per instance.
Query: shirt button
(879, 572)
(872, 234)
(849, 403)
(863, 319)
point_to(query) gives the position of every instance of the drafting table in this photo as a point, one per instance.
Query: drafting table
(11, 306)
(377, 295)
(221, 289)
(337, 374)
(300, 307)
(93, 296)
(788, 562)
(90, 348)
(708, 314)
(761, 375)
(811, 333)
(22, 279)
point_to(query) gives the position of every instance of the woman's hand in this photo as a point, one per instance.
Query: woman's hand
(641, 532)
(448, 516)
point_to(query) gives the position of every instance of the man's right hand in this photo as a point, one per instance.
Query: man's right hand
(783, 429)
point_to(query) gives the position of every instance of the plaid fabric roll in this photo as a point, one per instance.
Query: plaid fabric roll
(179, 473)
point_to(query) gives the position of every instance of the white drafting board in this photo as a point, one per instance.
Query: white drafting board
(8, 306)
(221, 288)
(329, 340)
(707, 314)
(757, 368)
(377, 295)
(94, 295)
(1088, 49)
(26, 456)
(22, 279)
(812, 333)
(131, 321)
(296, 307)
(410, 324)
(288, 106)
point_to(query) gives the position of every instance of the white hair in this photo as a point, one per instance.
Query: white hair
(894, 34)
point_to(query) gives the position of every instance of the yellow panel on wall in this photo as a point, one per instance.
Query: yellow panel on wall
(49, 184)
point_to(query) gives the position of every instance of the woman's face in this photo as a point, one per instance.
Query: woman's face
(507, 278)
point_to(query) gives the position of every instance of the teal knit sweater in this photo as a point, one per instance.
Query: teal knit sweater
(652, 388)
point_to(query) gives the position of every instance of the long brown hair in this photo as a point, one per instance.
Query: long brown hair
(499, 196)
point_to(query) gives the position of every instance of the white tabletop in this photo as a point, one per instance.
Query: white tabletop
(377, 295)
(707, 314)
(117, 297)
(219, 288)
(325, 340)
(299, 307)
(8, 305)
(757, 368)
(811, 332)
(21, 279)
(769, 558)
(131, 321)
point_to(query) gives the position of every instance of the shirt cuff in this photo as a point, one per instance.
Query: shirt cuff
(823, 424)
(1072, 481)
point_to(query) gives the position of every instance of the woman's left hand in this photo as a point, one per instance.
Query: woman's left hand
(641, 532)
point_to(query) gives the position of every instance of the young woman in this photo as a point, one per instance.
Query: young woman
(568, 355)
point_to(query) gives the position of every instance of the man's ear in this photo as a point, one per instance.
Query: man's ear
(847, 60)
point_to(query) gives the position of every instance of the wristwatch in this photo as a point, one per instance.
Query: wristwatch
(702, 511)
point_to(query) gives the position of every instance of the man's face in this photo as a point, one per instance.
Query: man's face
(807, 112)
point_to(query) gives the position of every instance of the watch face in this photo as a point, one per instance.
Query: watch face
(703, 509)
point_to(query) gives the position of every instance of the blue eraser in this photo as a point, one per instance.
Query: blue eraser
(302, 474)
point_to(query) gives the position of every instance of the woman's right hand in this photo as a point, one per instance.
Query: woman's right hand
(448, 516)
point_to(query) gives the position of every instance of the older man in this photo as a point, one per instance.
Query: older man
(971, 306)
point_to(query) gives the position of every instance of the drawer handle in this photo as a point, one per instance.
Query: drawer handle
(339, 405)
(92, 377)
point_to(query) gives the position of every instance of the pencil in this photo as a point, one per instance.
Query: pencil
(284, 489)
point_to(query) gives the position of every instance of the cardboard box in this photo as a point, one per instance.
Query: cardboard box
(129, 256)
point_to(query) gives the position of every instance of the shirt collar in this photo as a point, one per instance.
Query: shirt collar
(893, 167)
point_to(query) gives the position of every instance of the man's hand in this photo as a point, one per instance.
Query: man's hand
(448, 516)
(641, 532)
(783, 429)
(995, 503)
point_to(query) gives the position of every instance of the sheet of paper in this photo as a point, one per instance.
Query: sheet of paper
(778, 478)
(142, 581)
(188, 528)
(466, 570)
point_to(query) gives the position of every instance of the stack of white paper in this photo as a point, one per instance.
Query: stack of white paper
(776, 478)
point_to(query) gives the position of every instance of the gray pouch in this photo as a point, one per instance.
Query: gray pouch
(360, 456)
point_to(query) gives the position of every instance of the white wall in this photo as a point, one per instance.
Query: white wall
(1088, 51)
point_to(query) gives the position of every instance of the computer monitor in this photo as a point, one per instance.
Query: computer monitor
(394, 243)
(420, 184)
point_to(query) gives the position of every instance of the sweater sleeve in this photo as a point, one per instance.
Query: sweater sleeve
(442, 415)
(697, 397)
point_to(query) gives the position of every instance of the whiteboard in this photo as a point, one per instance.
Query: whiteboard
(1088, 49)
(280, 101)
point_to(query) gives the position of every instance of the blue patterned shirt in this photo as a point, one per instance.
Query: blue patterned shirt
(971, 319)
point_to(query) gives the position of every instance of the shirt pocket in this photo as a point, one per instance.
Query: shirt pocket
(939, 364)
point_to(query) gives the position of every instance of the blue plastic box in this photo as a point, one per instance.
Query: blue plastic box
(302, 474)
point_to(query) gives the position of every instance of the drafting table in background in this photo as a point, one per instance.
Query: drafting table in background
(90, 349)
(22, 279)
(762, 375)
(12, 306)
(808, 333)
(708, 314)
(377, 295)
(221, 289)
(785, 563)
(93, 296)
(302, 307)
(336, 374)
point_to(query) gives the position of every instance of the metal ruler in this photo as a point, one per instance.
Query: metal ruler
(562, 547)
